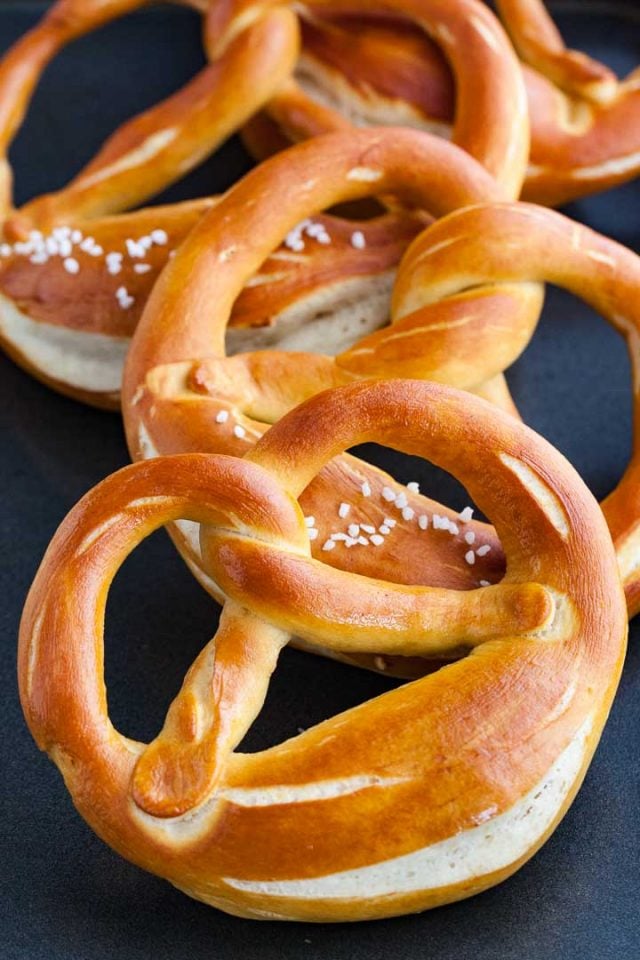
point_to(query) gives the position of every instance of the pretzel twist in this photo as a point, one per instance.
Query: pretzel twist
(182, 394)
(48, 319)
(585, 124)
(520, 243)
(474, 764)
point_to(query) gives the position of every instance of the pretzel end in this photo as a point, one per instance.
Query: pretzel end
(171, 778)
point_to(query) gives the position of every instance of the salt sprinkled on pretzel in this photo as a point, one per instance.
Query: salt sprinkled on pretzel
(60, 311)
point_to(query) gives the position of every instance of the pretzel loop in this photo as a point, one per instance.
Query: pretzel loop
(152, 150)
(73, 278)
(523, 243)
(491, 122)
(378, 70)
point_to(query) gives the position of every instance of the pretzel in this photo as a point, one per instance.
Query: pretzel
(585, 124)
(492, 244)
(491, 114)
(181, 393)
(432, 792)
(71, 273)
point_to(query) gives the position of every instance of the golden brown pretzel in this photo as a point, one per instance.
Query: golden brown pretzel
(585, 124)
(427, 794)
(73, 330)
(491, 115)
(522, 243)
(181, 393)
(64, 252)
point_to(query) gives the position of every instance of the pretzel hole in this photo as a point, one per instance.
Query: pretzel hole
(579, 365)
(305, 690)
(448, 526)
(327, 321)
(157, 621)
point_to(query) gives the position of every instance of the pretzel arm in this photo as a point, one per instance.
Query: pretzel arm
(400, 620)
(160, 145)
(539, 43)
(222, 695)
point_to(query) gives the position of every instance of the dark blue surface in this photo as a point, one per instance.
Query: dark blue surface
(65, 895)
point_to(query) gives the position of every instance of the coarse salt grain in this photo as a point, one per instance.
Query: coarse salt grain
(470, 537)
(142, 267)
(414, 487)
(483, 551)
(470, 557)
(353, 529)
(358, 240)
(388, 494)
(343, 510)
(239, 431)
(423, 521)
(134, 249)
(377, 540)
(159, 237)
(310, 521)
(328, 545)
(312, 533)
(71, 265)
(366, 489)
(389, 522)
(485, 583)
(466, 514)
(222, 416)
(367, 528)
(408, 513)
(384, 529)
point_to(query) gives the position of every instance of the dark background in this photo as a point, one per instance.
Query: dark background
(63, 893)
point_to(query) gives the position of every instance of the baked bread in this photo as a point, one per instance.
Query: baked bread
(368, 68)
(491, 121)
(183, 394)
(72, 273)
(522, 243)
(427, 794)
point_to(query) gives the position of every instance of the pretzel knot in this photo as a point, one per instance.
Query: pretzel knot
(433, 791)
(183, 394)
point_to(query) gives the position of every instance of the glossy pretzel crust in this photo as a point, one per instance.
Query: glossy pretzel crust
(429, 793)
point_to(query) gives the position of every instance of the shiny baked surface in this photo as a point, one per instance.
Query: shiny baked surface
(41, 465)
